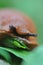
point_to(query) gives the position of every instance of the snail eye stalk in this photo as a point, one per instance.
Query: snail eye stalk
(23, 35)
(13, 29)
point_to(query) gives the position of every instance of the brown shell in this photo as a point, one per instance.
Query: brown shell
(22, 23)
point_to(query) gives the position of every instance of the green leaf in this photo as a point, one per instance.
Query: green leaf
(18, 52)
(13, 42)
(5, 54)
(35, 57)
(18, 44)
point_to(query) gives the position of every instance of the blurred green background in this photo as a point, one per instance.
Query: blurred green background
(32, 8)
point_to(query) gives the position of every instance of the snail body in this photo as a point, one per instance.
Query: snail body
(14, 22)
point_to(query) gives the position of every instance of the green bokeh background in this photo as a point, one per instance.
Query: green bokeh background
(32, 8)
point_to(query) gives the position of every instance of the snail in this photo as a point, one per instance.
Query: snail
(17, 24)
